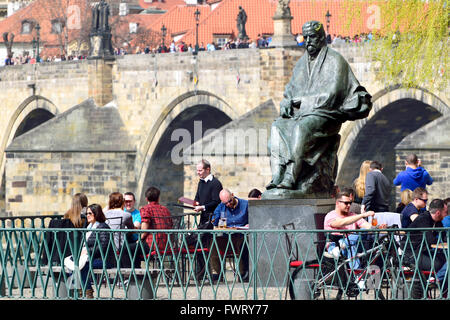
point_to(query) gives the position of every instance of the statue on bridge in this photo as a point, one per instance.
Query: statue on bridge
(283, 10)
(322, 94)
(241, 21)
(100, 15)
(100, 35)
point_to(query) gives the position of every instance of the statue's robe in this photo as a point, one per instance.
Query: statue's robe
(328, 94)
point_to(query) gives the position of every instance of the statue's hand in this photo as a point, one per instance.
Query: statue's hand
(286, 109)
(366, 100)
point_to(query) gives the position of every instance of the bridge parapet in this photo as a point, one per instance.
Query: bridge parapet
(44, 71)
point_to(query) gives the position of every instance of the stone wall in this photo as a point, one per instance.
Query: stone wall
(238, 174)
(431, 144)
(39, 183)
(436, 162)
(276, 71)
(148, 93)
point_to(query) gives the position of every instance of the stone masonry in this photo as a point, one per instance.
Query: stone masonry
(141, 96)
(41, 183)
(431, 144)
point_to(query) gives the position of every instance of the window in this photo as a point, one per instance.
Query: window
(133, 27)
(57, 26)
(27, 26)
(221, 39)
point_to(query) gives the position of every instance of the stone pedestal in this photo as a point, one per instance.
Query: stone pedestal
(100, 80)
(101, 46)
(282, 35)
(273, 259)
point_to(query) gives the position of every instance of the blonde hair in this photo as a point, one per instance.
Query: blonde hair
(79, 201)
(360, 182)
(406, 196)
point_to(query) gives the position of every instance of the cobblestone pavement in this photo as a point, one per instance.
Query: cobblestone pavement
(230, 289)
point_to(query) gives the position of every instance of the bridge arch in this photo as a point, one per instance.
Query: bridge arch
(32, 112)
(207, 109)
(396, 113)
(27, 116)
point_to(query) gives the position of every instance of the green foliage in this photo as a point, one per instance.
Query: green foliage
(411, 44)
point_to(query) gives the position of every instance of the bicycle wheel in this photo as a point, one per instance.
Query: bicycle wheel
(398, 280)
(302, 285)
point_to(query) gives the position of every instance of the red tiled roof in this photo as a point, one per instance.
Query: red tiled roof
(222, 19)
(43, 12)
(161, 4)
(180, 19)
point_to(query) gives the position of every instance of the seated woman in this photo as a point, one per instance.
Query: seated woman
(96, 244)
(74, 218)
(406, 197)
(118, 218)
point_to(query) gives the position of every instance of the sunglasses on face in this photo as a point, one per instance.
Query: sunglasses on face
(347, 203)
(89, 213)
(230, 201)
(424, 200)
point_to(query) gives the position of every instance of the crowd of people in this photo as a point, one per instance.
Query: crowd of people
(216, 206)
(370, 194)
(261, 41)
(231, 43)
(26, 58)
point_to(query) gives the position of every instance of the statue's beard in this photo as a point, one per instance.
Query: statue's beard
(312, 50)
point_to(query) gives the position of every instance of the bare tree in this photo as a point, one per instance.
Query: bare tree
(70, 21)
(142, 38)
(8, 43)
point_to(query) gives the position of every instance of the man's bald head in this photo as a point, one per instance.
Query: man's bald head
(227, 198)
(225, 194)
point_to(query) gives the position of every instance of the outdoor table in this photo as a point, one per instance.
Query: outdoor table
(442, 245)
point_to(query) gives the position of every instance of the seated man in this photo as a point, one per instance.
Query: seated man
(342, 219)
(446, 220)
(235, 211)
(130, 202)
(420, 253)
(412, 210)
(155, 216)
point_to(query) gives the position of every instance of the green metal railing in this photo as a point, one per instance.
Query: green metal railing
(31, 267)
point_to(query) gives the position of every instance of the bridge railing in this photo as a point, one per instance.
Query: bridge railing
(40, 221)
(33, 267)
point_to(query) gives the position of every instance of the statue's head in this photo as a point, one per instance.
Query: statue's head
(315, 38)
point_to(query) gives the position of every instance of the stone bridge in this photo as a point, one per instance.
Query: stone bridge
(98, 126)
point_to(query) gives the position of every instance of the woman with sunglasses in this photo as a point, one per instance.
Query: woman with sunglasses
(96, 244)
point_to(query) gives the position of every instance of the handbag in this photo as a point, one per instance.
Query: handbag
(69, 264)
(192, 238)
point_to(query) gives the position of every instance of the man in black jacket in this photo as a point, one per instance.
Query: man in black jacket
(418, 250)
(378, 189)
(206, 201)
(207, 196)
